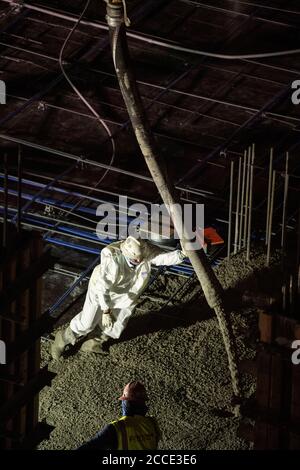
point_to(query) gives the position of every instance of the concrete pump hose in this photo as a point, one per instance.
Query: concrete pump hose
(211, 287)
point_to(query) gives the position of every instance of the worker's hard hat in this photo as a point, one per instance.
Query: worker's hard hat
(134, 391)
(132, 249)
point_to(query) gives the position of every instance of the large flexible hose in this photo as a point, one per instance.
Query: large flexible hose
(207, 278)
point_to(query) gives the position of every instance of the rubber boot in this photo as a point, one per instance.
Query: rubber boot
(95, 345)
(62, 339)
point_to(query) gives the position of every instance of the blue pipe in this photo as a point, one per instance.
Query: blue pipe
(61, 204)
(50, 201)
(61, 299)
(48, 224)
(89, 236)
(74, 246)
(176, 269)
(63, 228)
(61, 175)
(35, 184)
(83, 233)
(96, 251)
(181, 269)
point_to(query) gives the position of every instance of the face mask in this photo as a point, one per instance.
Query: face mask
(132, 263)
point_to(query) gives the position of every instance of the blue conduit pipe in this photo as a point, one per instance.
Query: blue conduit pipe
(66, 229)
(63, 205)
(179, 269)
(66, 294)
(61, 175)
(96, 251)
(74, 246)
(35, 184)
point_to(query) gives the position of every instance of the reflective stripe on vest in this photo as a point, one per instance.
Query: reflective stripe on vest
(136, 433)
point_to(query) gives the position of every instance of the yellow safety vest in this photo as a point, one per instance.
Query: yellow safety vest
(136, 433)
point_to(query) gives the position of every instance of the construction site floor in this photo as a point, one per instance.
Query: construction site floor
(177, 351)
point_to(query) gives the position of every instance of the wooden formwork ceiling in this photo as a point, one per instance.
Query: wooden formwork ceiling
(204, 111)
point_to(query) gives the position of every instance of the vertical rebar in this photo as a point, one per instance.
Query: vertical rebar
(298, 242)
(5, 215)
(298, 269)
(285, 197)
(271, 217)
(242, 200)
(269, 192)
(230, 209)
(298, 293)
(291, 310)
(247, 198)
(237, 215)
(19, 202)
(284, 297)
(250, 203)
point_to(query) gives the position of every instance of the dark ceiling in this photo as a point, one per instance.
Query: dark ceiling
(204, 111)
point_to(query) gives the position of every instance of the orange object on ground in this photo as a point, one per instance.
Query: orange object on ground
(212, 237)
(209, 237)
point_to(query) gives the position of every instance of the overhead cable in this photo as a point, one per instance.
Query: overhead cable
(87, 104)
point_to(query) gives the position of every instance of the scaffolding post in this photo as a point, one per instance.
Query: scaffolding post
(269, 193)
(237, 214)
(230, 209)
(250, 203)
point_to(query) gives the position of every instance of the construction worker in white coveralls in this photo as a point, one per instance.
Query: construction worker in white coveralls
(113, 292)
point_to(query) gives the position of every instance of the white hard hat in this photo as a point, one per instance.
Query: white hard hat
(132, 249)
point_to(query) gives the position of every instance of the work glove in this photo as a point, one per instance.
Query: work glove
(107, 319)
(183, 253)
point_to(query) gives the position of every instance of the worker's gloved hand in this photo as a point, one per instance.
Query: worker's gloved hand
(107, 319)
(183, 253)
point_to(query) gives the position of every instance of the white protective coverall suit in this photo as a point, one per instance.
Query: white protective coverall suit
(116, 286)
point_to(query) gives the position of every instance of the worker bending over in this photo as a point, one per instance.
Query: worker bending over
(113, 292)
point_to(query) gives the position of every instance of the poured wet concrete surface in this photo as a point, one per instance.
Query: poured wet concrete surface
(177, 352)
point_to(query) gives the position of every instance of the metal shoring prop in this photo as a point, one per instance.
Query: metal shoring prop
(298, 265)
(230, 209)
(250, 203)
(271, 217)
(242, 200)
(286, 282)
(237, 213)
(5, 214)
(247, 198)
(291, 292)
(269, 193)
(19, 200)
(285, 199)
